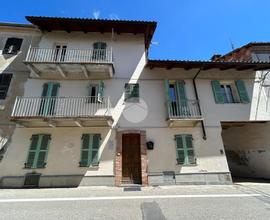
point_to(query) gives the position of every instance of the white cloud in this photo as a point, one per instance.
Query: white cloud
(114, 16)
(96, 14)
(155, 43)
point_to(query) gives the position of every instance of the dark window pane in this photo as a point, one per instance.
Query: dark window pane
(4, 84)
(172, 93)
(13, 45)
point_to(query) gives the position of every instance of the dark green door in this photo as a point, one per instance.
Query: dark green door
(48, 99)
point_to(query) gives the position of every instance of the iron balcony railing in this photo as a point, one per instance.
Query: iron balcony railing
(186, 109)
(69, 55)
(61, 107)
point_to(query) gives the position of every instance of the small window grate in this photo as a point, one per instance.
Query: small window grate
(169, 177)
(32, 180)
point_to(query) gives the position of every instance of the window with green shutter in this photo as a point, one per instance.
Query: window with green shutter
(229, 91)
(38, 151)
(96, 92)
(132, 92)
(184, 149)
(90, 150)
(49, 98)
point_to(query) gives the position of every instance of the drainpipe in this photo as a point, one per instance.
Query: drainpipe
(199, 106)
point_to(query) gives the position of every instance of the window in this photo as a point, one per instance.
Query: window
(96, 92)
(184, 149)
(176, 98)
(38, 150)
(49, 101)
(132, 92)
(4, 84)
(263, 56)
(90, 150)
(60, 52)
(99, 51)
(12, 46)
(230, 91)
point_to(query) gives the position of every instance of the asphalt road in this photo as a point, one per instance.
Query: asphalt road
(185, 202)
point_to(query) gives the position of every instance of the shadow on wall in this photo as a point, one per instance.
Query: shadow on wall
(247, 149)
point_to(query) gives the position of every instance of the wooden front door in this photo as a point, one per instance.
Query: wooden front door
(131, 159)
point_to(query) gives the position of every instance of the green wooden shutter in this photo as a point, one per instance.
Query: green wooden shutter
(95, 149)
(38, 150)
(184, 149)
(43, 150)
(45, 89)
(190, 157)
(168, 97)
(182, 98)
(180, 154)
(54, 89)
(32, 151)
(90, 150)
(242, 91)
(100, 91)
(219, 98)
(181, 92)
(52, 102)
(85, 150)
(47, 105)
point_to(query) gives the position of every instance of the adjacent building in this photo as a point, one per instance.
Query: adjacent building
(95, 110)
(15, 40)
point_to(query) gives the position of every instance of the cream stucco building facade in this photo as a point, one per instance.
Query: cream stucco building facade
(96, 111)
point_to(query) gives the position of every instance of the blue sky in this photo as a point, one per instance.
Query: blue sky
(187, 29)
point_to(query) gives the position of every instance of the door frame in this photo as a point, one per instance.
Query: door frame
(118, 156)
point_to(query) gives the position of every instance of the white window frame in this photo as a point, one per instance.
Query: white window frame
(236, 98)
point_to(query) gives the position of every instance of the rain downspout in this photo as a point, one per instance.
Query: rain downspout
(199, 106)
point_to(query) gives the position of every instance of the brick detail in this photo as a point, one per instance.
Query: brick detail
(118, 156)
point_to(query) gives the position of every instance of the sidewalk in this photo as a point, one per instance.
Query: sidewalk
(144, 191)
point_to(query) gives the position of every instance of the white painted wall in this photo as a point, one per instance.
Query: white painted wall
(63, 155)
(128, 49)
(129, 62)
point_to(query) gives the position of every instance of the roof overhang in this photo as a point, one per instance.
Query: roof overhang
(95, 25)
(5, 24)
(205, 65)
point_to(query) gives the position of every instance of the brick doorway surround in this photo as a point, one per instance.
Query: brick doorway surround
(118, 156)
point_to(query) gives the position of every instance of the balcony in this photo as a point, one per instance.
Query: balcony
(62, 111)
(70, 63)
(183, 114)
